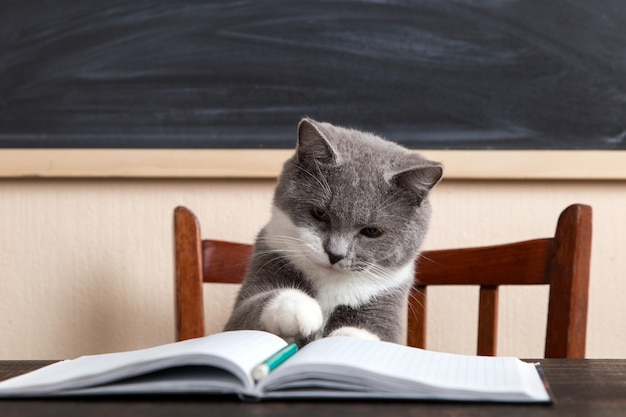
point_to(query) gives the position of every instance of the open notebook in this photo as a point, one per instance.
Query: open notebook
(337, 367)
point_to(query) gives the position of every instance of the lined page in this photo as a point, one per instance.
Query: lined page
(399, 365)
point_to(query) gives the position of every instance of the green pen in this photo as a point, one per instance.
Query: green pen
(269, 364)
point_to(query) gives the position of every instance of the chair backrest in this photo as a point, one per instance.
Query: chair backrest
(562, 262)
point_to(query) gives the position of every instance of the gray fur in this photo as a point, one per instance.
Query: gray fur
(360, 181)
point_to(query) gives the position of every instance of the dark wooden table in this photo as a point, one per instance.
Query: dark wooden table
(581, 387)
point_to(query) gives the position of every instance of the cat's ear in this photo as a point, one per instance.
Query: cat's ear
(418, 175)
(313, 143)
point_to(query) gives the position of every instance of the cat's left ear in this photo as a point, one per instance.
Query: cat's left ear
(418, 175)
(313, 143)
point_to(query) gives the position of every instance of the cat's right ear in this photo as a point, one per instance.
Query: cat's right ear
(418, 175)
(313, 144)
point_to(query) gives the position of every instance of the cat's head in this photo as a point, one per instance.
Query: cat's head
(352, 201)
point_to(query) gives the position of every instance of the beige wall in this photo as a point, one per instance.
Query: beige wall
(86, 265)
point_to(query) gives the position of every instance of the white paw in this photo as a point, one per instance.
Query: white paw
(354, 332)
(292, 313)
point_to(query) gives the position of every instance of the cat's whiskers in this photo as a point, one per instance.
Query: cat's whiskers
(280, 238)
(292, 249)
(295, 244)
(284, 239)
(422, 256)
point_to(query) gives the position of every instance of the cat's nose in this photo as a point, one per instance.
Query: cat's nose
(334, 258)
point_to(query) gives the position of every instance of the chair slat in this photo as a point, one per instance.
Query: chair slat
(228, 261)
(522, 263)
(487, 321)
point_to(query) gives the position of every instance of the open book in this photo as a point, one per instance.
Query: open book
(336, 367)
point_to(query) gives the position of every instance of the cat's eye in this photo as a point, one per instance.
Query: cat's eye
(372, 232)
(320, 214)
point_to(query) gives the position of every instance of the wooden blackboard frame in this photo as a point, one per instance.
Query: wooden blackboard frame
(266, 164)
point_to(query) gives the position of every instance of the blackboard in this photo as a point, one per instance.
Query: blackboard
(542, 74)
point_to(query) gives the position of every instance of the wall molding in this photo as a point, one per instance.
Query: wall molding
(267, 163)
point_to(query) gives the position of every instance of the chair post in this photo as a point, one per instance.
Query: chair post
(416, 323)
(188, 259)
(566, 333)
(488, 320)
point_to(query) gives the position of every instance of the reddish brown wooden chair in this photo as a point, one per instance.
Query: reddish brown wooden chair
(562, 262)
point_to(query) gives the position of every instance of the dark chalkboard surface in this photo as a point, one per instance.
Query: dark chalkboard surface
(543, 74)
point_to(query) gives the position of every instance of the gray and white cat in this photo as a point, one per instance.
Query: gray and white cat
(337, 257)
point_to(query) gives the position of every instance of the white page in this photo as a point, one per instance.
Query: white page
(393, 368)
(244, 348)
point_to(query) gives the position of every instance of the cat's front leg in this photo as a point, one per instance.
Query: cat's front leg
(292, 314)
